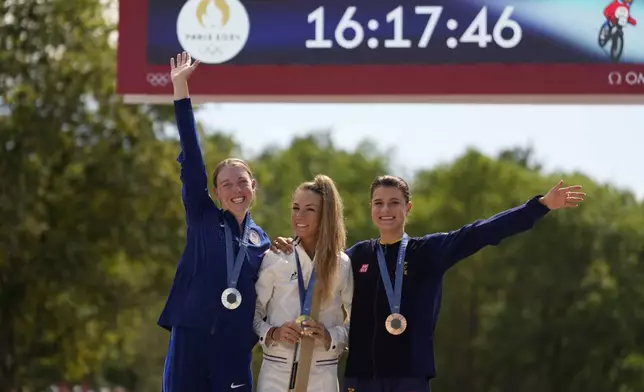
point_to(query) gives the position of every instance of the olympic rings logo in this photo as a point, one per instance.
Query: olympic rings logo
(211, 50)
(158, 79)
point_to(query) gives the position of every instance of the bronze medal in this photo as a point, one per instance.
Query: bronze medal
(396, 324)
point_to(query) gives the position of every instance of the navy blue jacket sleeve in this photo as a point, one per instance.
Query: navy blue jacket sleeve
(193, 169)
(449, 248)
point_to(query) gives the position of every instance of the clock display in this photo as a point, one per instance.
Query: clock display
(350, 34)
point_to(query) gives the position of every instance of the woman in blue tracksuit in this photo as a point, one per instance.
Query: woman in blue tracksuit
(398, 284)
(211, 304)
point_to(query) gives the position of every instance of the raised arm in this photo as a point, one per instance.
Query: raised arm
(193, 169)
(449, 248)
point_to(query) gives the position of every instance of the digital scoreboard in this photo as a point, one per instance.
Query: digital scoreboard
(533, 51)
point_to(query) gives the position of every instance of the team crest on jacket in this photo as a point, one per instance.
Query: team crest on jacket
(253, 237)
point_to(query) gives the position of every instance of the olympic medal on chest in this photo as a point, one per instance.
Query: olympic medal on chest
(300, 320)
(231, 298)
(395, 323)
(306, 295)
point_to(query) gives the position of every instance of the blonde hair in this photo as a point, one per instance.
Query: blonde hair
(230, 162)
(332, 234)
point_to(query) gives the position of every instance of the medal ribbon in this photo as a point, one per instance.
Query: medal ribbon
(233, 268)
(394, 294)
(306, 294)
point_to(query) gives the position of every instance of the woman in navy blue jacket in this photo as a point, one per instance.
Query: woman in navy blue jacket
(398, 284)
(211, 304)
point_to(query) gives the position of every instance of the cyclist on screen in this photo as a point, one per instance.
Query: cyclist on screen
(619, 12)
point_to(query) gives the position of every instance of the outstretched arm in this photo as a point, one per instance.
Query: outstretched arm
(193, 169)
(449, 248)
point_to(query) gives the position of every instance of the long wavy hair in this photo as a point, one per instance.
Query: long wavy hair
(332, 234)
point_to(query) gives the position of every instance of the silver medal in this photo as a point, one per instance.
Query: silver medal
(231, 298)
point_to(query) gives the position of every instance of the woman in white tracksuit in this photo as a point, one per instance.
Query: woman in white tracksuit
(282, 287)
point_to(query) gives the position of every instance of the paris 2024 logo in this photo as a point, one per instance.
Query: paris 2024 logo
(213, 31)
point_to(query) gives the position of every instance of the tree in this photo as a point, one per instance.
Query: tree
(90, 213)
(551, 309)
(523, 156)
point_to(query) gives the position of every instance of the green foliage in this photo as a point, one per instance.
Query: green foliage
(93, 225)
(86, 196)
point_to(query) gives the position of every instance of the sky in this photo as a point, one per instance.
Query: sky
(603, 142)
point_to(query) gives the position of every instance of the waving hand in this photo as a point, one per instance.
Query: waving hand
(180, 71)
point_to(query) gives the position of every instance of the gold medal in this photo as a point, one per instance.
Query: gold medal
(302, 319)
(396, 324)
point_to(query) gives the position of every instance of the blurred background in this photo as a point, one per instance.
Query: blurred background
(92, 225)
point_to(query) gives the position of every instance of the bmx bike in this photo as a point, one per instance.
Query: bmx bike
(613, 32)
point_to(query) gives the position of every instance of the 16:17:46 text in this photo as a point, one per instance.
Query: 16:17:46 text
(476, 31)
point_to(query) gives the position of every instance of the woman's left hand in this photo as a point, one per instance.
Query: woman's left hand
(563, 197)
(317, 331)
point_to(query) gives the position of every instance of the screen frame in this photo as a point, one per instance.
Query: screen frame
(140, 82)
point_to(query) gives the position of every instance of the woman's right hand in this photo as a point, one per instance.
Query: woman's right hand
(183, 68)
(289, 332)
(282, 244)
(180, 72)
